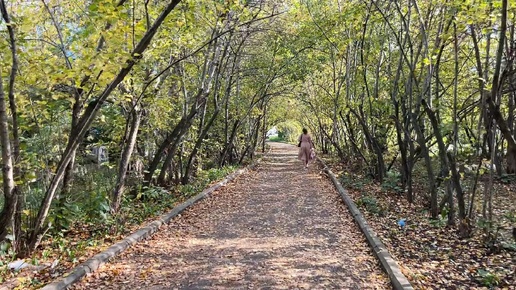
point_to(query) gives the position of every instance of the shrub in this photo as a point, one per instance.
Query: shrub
(370, 203)
(487, 278)
(392, 182)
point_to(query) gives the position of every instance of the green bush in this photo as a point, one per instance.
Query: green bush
(349, 181)
(487, 278)
(277, 139)
(370, 203)
(391, 182)
(152, 193)
(507, 178)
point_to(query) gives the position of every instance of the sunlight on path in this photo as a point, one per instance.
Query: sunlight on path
(279, 227)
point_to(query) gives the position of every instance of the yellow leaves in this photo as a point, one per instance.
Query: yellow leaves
(255, 112)
(180, 23)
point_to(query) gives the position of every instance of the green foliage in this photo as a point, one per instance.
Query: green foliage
(289, 131)
(90, 199)
(204, 179)
(350, 181)
(488, 278)
(508, 178)
(276, 139)
(371, 204)
(438, 223)
(308, 67)
(7, 255)
(152, 194)
(218, 173)
(391, 182)
(511, 217)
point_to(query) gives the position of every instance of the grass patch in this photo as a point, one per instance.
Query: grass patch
(276, 138)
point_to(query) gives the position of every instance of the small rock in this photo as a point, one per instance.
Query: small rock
(18, 265)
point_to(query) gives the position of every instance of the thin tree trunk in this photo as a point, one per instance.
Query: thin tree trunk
(264, 128)
(374, 146)
(68, 174)
(453, 165)
(181, 129)
(125, 159)
(161, 150)
(493, 98)
(347, 123)
(198, 144)
(10, 199)
(493, 102)
(402, 142)
(11, 213)
(229, 145)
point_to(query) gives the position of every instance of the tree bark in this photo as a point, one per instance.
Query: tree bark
(11, 213)
(10, 199)
(198, 143)
(228, 147)
(380, 163)
(125, 160)
(494, 107)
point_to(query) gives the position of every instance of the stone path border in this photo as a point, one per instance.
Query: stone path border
(398, 280)
(93, 263)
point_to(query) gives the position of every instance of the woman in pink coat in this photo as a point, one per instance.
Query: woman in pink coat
(305, 147)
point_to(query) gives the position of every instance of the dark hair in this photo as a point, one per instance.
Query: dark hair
(305, 131)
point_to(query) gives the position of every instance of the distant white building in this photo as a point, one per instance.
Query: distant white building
(272, 132)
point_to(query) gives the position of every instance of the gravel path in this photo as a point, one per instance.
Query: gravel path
(278, 227)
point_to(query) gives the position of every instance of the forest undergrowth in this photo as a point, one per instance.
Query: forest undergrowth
(431, 253)
(65, 249)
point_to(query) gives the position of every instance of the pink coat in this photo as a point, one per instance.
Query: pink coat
(304, 149)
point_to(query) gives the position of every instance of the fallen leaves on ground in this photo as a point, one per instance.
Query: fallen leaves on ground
(430, 254)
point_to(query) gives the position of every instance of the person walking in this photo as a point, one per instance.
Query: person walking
(305, 145)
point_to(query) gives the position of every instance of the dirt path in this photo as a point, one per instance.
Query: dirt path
(279, 227)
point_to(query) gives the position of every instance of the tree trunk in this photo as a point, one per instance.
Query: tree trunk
(10, 198)
(254, 140)
(402, 146)
(492, 102)
(13, 196)
(68, 174)
(374, 146)
(445, 165)
(161, 150)
(229, 145)
(197, 146)
(182, 130)
(125, 158)
(264, 128)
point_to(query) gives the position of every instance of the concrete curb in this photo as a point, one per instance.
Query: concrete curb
(93, 263)
(398, 280)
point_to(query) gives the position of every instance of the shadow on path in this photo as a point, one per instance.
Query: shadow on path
(278, 227)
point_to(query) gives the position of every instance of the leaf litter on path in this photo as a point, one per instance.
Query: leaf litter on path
(278, 227)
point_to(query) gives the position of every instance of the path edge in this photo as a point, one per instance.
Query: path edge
(93, 263)
(389, 265)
